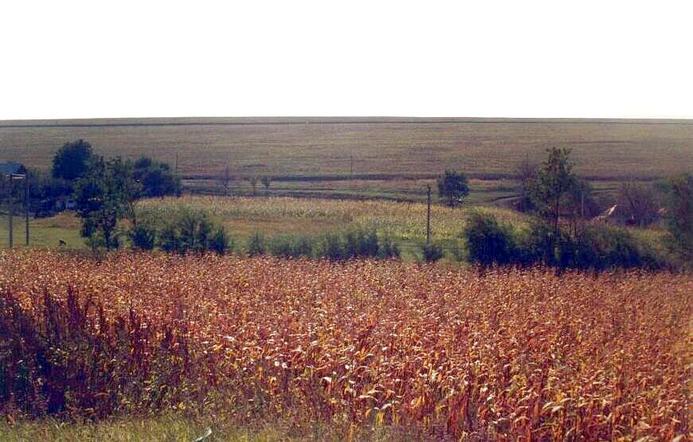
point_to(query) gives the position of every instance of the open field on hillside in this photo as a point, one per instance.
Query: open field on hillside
(435, 349)
(486, 192)
(299, 152)
(404, 222)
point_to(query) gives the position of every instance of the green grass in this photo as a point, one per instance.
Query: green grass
(404, 222)
(43, 232)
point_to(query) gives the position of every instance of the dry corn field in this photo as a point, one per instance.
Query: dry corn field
(449, 352)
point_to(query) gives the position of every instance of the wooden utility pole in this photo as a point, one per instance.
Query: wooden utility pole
(13, 178)
(26, 207)
(428, 215)
(11, 215)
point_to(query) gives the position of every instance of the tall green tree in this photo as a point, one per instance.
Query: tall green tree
(453, 187)
(553, 187)
(680, 215)
(526, 173)
(640, 203)
(71, 161)
(103, 196)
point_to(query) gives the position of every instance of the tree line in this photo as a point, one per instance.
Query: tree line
(104, 191)
(565, 228)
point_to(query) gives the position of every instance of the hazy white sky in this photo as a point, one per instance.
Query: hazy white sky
(605, 58)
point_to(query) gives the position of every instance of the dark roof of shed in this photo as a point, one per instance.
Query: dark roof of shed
(10, 167)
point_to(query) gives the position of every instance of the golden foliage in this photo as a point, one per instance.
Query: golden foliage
(507, 355)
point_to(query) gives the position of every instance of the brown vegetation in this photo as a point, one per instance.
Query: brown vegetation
(505, 355)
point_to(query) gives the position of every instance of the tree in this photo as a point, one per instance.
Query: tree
(72, 160)
(103, 196)
(453, 187)
(253, 183)
(639, 202)
(579, 204)
(552, 187)
(156, 178)
(225, 180)
(680, 215)
(266, 181)
(526, 173)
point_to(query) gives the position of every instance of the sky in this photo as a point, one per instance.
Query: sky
(490, 58)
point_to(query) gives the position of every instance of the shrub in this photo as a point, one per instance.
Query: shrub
(357, 243)
(156, 178)
(289, 246)
(489, 242)
(596, 247)
(602, 247)
(193, 231)
(388, 249)
(361, 243)
(142, 236)
(256, 245)
(332, 248)
(169, 239)
(432, 252)
(536, 245)
(220, 242)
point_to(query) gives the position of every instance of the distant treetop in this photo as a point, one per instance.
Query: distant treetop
(72, 160)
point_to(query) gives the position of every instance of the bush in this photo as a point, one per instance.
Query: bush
(220, 242)
(361, 243)
(536, 245)
(603, 247)
(357, 243)
(289, 246)
(142, 236)
(596, 247)
(156, 178)
(332, 248)
(388, 249)
(168, 239)
(489, 242)
(256, 245)
(432, 252)
(193, 231)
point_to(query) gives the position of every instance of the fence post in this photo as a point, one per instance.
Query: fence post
(428, 215)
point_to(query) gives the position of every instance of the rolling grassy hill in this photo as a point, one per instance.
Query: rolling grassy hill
(365, 157)
(324, 146)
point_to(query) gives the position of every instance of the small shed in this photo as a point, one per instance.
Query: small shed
(11, 168)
